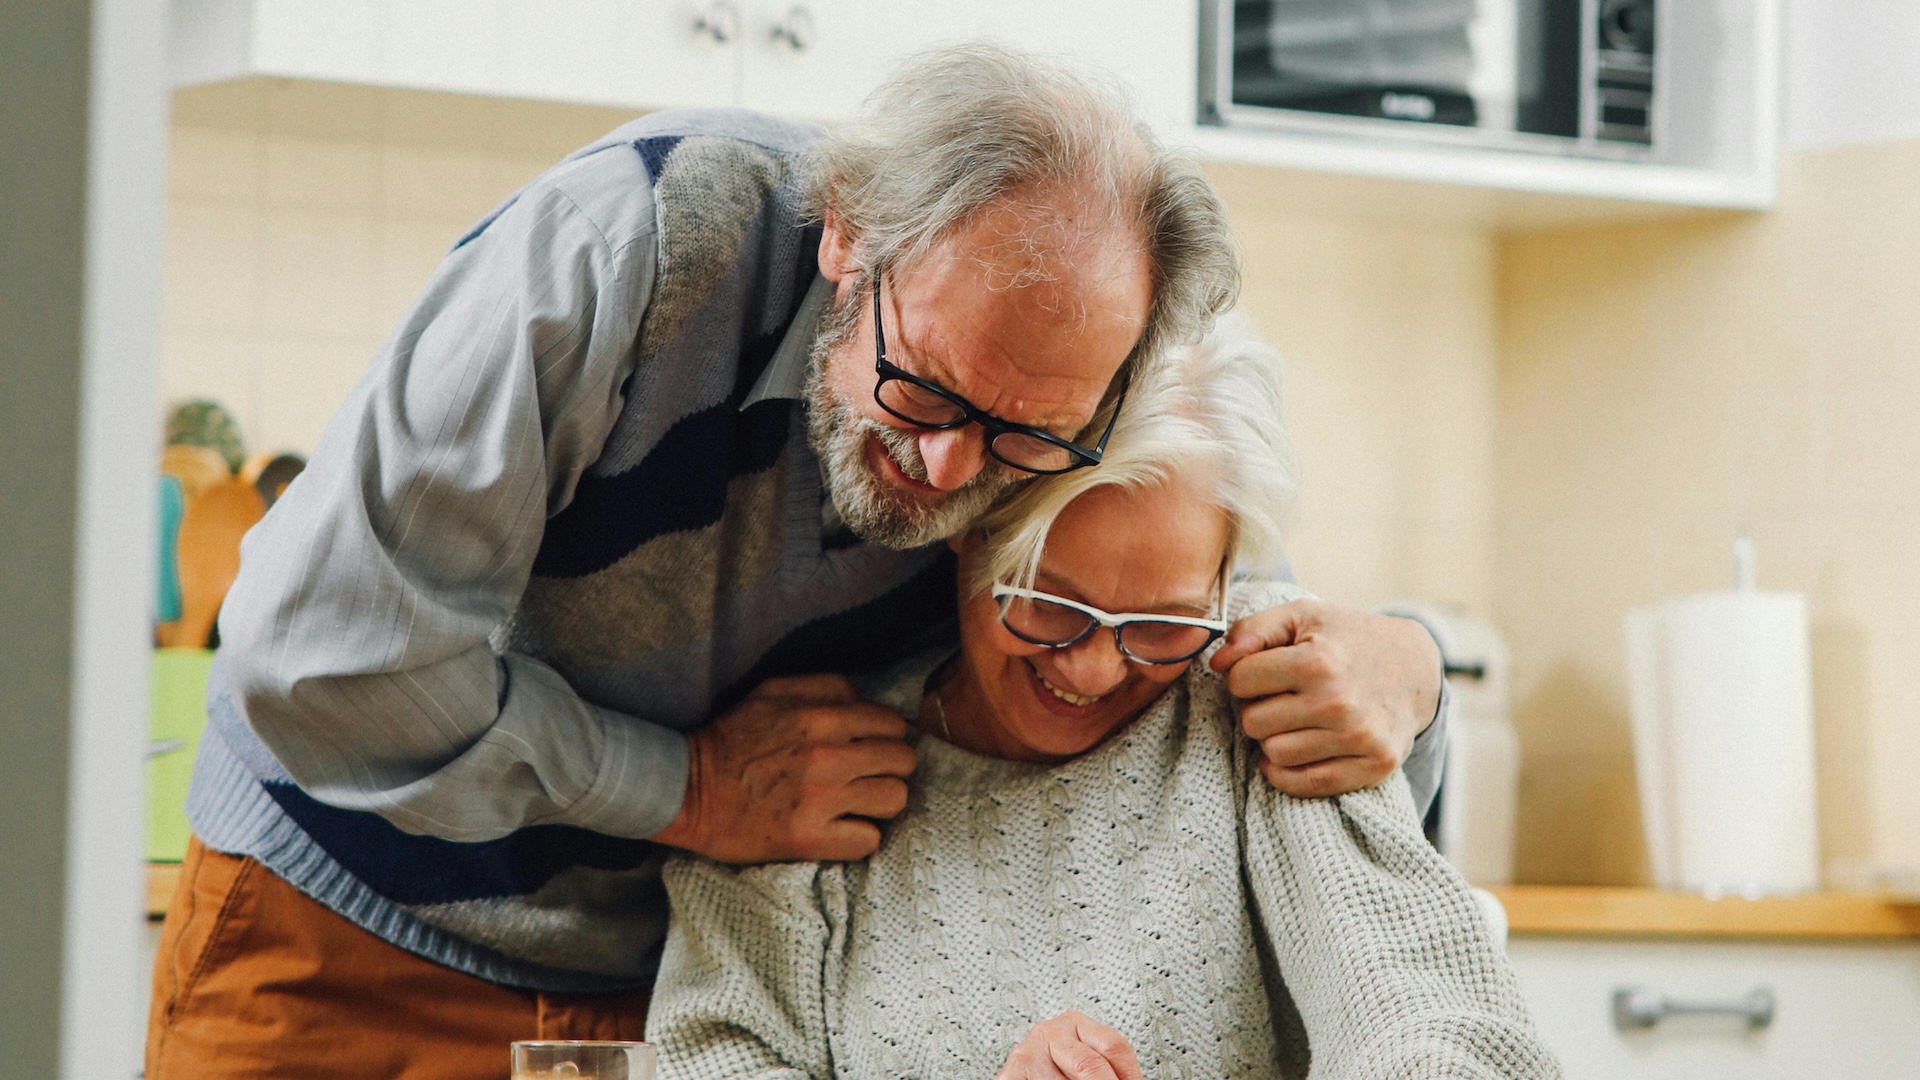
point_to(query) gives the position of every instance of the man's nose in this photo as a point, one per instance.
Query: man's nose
(954, 456)
(1091, 667)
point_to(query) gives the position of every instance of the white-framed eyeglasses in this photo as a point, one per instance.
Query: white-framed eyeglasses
(1056, 622)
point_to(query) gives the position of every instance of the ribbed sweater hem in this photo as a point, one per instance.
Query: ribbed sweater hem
(231, 811)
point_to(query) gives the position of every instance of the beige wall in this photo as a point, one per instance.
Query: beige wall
(303, 219)
(1662, 387)
(1388, 332)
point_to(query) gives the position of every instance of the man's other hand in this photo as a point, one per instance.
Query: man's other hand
(1335, 697)
(797, 771)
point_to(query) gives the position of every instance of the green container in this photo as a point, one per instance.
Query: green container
(179, 712)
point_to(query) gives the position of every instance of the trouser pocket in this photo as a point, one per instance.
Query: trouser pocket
(202, 917)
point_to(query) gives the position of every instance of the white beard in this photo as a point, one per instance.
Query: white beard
(838, 434)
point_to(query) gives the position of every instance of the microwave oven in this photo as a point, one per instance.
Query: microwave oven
(1554, 76)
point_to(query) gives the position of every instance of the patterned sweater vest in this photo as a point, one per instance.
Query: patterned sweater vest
(688, 568)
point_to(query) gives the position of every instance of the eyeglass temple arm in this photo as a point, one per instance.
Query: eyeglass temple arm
(1125, 384)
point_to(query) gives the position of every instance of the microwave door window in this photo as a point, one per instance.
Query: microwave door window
(1392, 59)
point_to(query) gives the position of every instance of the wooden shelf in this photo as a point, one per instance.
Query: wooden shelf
(1592, 911)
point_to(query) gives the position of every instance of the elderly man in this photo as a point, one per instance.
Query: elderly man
(668, 436)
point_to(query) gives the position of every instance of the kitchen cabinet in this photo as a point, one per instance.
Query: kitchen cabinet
(811, 58)
(819, 58)
(1841, 972)
(638, 53)
(1150, 44)
(1840, 1009)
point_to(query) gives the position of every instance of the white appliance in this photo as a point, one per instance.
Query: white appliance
(1555, 76)
(1472, 821)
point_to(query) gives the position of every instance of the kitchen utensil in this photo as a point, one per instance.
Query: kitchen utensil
(210, 533)
(173, 503)
(207, 424)
(1472, 820)
(271, 473)
(196, 467)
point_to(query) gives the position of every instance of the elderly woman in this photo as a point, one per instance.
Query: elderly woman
(1092, 879)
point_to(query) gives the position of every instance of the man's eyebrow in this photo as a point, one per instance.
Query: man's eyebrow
(924, 363)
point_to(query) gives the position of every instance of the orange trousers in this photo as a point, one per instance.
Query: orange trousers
(255, 979)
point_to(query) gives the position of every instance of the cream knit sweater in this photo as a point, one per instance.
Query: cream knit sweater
(1157, 884)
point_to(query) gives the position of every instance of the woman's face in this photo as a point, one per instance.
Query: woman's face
(1155, 551)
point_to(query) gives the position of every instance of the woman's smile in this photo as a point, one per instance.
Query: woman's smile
(1117, 549)
(1064, 702)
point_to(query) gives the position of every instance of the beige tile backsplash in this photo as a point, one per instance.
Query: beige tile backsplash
(306, 216)
(1547, 426)
(1662, 387)
(1388, 335)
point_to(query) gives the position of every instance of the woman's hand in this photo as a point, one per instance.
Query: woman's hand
(1071, 1046)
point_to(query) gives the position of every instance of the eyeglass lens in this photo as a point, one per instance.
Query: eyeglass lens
(918, 404)
(1044, 622)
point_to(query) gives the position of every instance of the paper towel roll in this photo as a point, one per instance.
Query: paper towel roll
(1722, 703)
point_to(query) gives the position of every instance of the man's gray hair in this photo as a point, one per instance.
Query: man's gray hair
(1206, 418)
(956, 129)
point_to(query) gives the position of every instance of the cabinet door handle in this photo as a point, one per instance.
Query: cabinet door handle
(717, 21)
(1636, 1008)
(795, 28)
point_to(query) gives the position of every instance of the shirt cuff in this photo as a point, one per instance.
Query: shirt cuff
(641, 782)
(1426, 763)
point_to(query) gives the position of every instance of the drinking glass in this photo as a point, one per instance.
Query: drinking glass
(575, 1060)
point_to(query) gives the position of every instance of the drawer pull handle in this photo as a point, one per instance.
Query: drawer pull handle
(1636, 1008)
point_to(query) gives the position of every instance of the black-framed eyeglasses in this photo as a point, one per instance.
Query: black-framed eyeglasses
(1054, 621)
(924, 403)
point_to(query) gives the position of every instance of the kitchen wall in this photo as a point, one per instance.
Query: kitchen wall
(1387, 328)
(303, 219)
(1663, 386)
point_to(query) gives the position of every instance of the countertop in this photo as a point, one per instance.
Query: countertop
(1611, 911)
(1594, 911)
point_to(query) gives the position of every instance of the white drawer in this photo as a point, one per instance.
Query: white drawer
(1841, 1011)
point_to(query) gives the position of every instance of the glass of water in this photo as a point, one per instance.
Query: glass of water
(571, 1060)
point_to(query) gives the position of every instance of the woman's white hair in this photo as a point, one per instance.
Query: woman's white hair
(1206, 419)
(957, 129)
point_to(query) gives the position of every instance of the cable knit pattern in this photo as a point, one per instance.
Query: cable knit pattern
(1157, 884)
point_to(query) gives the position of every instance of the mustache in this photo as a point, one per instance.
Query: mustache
(902, 446)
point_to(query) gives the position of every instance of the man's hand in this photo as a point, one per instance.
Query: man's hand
(797, 771)
(1334, 697)
(1071, 1046)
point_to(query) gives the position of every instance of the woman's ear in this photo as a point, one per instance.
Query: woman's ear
(837, 258)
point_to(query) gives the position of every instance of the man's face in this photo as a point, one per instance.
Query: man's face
(1023, 312)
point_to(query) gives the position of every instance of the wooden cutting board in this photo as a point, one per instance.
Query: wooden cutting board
(209, 556)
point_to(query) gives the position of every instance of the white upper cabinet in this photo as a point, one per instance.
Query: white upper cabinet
(1717, 79)
(819, 58)
(640, 53)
